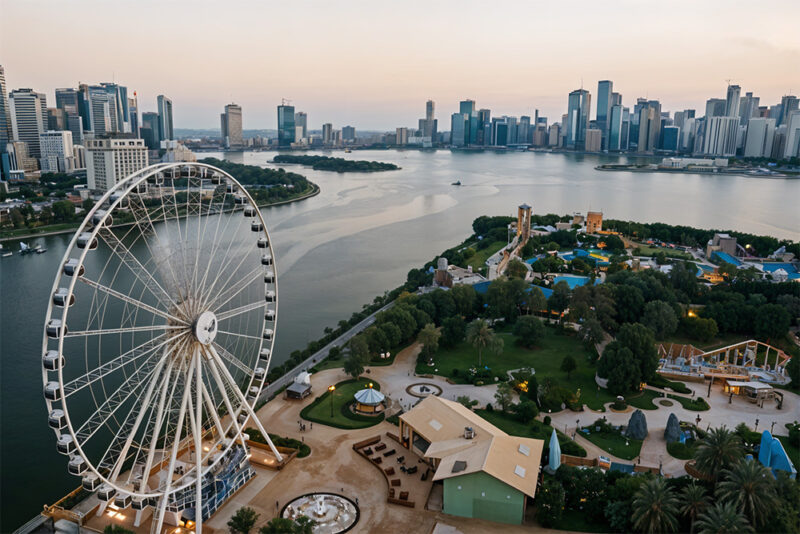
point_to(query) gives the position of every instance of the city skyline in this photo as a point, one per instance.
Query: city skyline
(377, 76)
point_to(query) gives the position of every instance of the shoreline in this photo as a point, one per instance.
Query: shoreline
(314, 192)
(737, 172)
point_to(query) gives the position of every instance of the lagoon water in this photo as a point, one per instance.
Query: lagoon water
(356, 239)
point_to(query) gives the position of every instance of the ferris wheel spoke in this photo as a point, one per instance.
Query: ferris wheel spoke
(245, 336)
(129, 300)
(236, 362)
(222, 316)
(107, 409)
(117, 452)
(227, 293)
(224, 370)
(128, 330)
(120, 361)
(226, 268)
(215, 245)
(211, 408)
(134, 265)
(223, 388)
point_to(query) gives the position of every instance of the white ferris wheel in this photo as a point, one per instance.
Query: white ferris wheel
(158, 339)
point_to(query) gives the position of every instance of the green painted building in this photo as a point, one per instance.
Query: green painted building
(481, 495)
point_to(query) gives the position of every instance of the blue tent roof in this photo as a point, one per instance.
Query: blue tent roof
(727, 258)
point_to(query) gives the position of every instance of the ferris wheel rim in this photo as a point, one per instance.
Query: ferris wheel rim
(124, 189)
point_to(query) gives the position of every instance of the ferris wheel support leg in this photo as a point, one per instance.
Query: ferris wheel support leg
(198, 438)
(244, 402)
(159, 523)
(225, 399)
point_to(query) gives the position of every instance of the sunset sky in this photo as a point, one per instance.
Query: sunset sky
(373, 64)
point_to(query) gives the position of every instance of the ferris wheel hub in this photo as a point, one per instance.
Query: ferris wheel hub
(205, 327)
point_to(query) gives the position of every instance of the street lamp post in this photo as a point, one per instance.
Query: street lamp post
(331, 389)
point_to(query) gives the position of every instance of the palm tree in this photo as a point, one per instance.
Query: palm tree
(723, 518)
(751, 487)
(480, 335)
(719, 450)
(655, 507)
(694, 502)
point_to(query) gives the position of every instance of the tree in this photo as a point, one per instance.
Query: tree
(723, 518)
(772, 322)
(359, 348)
(700, 328)
(354, 365)
(717, 451)
(660, 318)
(529, 330)
(751, 487)
(568, 365)
(612, 243)
(481, 336)
(655, 507)
(464, 297)
(87, 204)
(728, 270)
(429, 337)
(629, 303)
(534, 300)
(516, 269)
(504, 395)
(525, 411)
(376, 340)
(639, 339)
(243, 521)
(694, 502)
(282, 525)
(63, 210)
(117, 529)
(549, 503)
(591, 332)
(392, 333)
(467, 402)
(559, 300)
(792, 305)
(620, 368)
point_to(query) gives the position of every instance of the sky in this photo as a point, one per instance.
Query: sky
(373, 64)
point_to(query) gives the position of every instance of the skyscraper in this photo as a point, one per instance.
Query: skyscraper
(429, 125)
(285, 125)
(57, 155)
(133, 110)
(720, 136)
(467, 108)
(604, 103)
(459, 125)
(715, 107)
(748, 108)
(6, 134)
(732, 101)
(792, 147)
(231, 126)
(28, 118)
(102, 114)
(301, 121)
(578, 111)
(149, 130)
(119, 106)
(760, 135)
(649, 126)
(327, 133)
(789, 103)
(165, 131)
(429, 110)
(348, 134)
(615, 129)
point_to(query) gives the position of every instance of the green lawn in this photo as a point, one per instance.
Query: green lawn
(320, 410)
(545, 358)
(536, 429)
(682, 451)
(792, 450)
(614, 443)
(478, 261)
(699, 404)
(668, 252)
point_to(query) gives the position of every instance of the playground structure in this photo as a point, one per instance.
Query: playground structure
(747, 361)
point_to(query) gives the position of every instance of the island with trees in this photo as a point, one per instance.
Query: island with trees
(327, 163)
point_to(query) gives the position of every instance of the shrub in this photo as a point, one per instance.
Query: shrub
(681, 451)
(547, 420)
(455, 372)
(489, 407)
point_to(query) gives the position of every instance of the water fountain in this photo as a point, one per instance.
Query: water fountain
(332, 514)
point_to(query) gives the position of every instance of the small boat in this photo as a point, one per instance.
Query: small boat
(24, 249)
(456, 183)
(7, 254)
(347, 150)
(40, 250)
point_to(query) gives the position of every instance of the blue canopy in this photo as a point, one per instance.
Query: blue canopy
(555, 451)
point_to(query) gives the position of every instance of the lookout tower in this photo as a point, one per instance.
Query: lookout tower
(524, 222)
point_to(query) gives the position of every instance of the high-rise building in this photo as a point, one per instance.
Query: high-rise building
(429, 125)
(430, 110)
(720, 136)
(84, 108)
(500, 131)
(327, 134)
(467, 107)
(57, 154)
(615, 129)
(67, 99)
(789, 103)
(110, 160)
(231, 126)
(6, 134)
(524, 132)
(748, 108)
(348, 134)
(578, 111)
(616, 99)
(401, 136)
(165, 130)
(760, 134)
(605, 91)
(792, 146)
(732, 101)
(102, 111)
(459, 129)
(484, 127)
(28, 118)
(671, 138)
(285, 125)
(715, 107)
(649, 126)
(118, 106)
(133, 113)
(593, 140)
(301, 121)
(149, 130)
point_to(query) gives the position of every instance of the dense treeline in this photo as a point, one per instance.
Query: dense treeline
(327, 163)
(253, 175)
(693, 237)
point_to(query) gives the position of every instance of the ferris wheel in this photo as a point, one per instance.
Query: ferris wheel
(158, 338)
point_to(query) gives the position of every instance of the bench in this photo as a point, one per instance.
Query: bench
(380, 447)
(377, 460)
(395, 482)
(368, 451)
(403, 495)
(391, 493)
(389, 453)
(389, 471)
(411, 470)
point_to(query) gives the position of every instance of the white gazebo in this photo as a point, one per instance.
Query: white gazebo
(369, 401)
